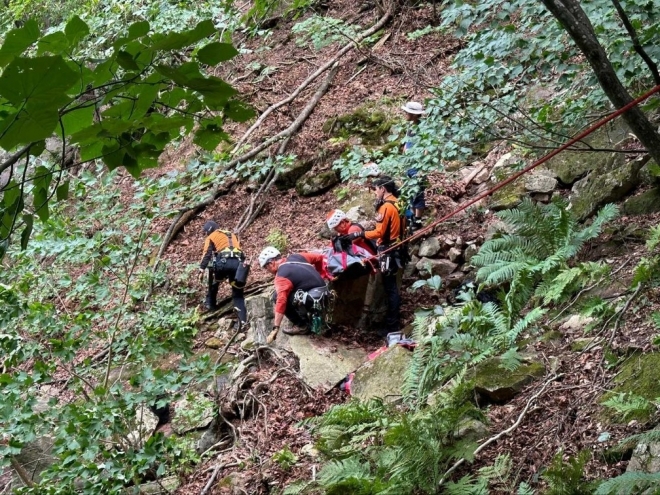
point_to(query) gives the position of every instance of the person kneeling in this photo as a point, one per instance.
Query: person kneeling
(300, 289)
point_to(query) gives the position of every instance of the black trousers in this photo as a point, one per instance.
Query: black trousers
(226, 270)
(393, 314)
(296, 313)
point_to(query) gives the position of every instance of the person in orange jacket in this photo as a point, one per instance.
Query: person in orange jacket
(222, 256)
(388, 231)
(299, 279)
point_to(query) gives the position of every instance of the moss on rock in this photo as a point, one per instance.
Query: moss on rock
(368, 122)
(508, 197)
(647, 202)
(499, 384)
(311, 184)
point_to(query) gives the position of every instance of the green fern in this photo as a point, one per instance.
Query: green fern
(628, 405)
(532, 257)
(525, 489)
(630, 484)
(566, 477)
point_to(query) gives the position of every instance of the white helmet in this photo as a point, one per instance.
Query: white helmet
(334, 218)
(268, 254)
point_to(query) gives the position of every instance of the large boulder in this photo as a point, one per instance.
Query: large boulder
(429, 247)
(440, 267)
(499, 384)
(383, 376)
(357, 299)
(260, 315)
(570, 166)
(647, 202)
(288, 177)
(368, 124)
(323, 362)
(508, 197)
(193, 412)
(312, 184)
(645, 458)
(606, 185)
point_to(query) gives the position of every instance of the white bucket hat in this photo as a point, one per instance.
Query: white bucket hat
(413, 107)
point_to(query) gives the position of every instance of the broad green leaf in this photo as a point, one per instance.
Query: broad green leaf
(40, 203)
(17, 40)
(75, 30)
(40, 80)
(176, 41)
(208, 139)
(62, 191)
(238, 111)
(55, 43)
(30, 125)
(138, 29)
(27, 231)
(78, 119)
(214, 53)
(11, 193)
(37, 148)
(42, 177)
(125, 61)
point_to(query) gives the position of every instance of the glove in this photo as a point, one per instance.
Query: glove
(354, 235)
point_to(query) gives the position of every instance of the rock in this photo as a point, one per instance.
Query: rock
(367, 124)
(471, 430)
(539, 183)
(323, 362)
(454, 280)
(576, 323)
(647, 174)
(582, 343)
(161, 487)
(541, 197)
(309, 450)
(213, 343)
(454, 254)
(35, 457)
(352, 297)
(145, 424)
(449, 242)
(438, 267)
(481, 177)
(605, 186)
(647, 202)
(429, 247)
(383, 376)
(288, 177)
(312, 184)
(500, 385)
(459, 241)
(355, 213)
(645, 458)
(224, 328)
(570, 166)
(496, 227)
(193, 412)
(508, 197)
(410, 268)
(470, 251)
(505, 160)
(260, 313)
(247, 344)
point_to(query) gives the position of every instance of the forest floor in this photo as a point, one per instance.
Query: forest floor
(565, 418)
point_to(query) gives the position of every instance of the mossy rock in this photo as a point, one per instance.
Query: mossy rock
(646, 174)
(551, 336)
(508, 197)
(383, 376)
(498, 384)
(369, 123)
(605, 186)
(647, 202)
(312, 184)
(570, 166)
(638, 375)
(288, 177)
(580, 344)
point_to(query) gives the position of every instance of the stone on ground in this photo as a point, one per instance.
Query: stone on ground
(383, 376)
(323, 362)
(429, 247)
(312, 184)
(192, 412)
(498, 384)
(437, 267)
(647, 202)
(145, 424)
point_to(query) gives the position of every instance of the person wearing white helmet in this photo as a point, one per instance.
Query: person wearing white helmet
(296, 277)
(413, 112)
(339, 222)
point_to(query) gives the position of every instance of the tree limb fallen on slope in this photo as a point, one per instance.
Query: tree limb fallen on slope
(346, 48)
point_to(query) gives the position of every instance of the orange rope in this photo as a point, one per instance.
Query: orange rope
(515, 176)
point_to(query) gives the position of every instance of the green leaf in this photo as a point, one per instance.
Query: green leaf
(125, 61)
(17, 40)
(209, 138)
(78, 119)
(42, 177)
(214, 53)
(29, 125)
(238, 111)
(39, 80)
(176, 41)
(27, 231)
(62, 191)
(11, 193)
(75, 30)
(4, 244)
(138, 29)
(55, 43)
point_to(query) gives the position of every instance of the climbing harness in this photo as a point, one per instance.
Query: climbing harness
(318, 304)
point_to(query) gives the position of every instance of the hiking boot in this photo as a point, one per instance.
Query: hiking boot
(293, 330)
(210, 307)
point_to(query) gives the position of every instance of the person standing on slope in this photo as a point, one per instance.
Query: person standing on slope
(413, 112)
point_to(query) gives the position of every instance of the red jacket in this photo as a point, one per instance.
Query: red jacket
(284, 286)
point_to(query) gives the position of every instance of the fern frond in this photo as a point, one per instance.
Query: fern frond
(629, 484)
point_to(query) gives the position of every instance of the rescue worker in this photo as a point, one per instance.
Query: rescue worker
(222, 256)
(388, 232)
(339, 222)
(413, 112)
(299, 281)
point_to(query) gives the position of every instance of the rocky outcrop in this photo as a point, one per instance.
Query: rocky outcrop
(497, 384)
(260, 315)
(312, 184)
(383, 376)
(192, 412)
(647, 202)
(288, 177)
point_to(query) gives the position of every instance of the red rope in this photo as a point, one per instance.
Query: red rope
(515, 176)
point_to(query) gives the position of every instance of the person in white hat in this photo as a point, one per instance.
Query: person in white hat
(413, 112)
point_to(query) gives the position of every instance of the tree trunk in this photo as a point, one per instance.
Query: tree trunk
(577, 24)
